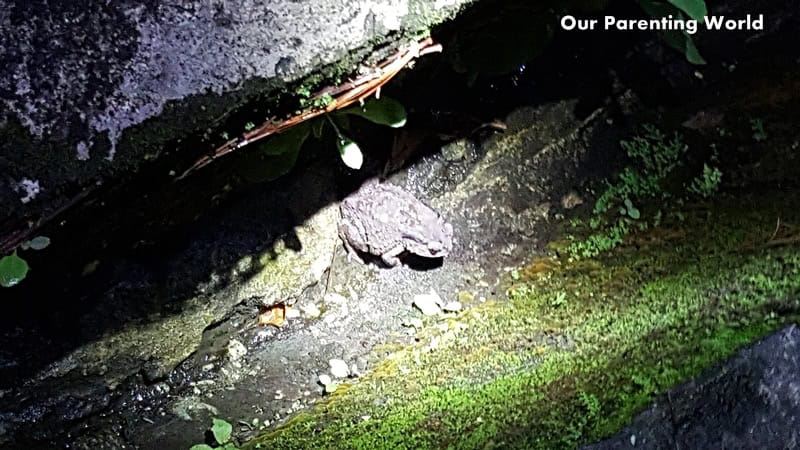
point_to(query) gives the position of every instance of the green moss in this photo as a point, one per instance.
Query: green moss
(531, 373)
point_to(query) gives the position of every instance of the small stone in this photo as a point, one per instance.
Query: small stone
(452, 306)
(325, 379)
(570, 200)
(339, 368)
(236, 350)
(311, 310)
(292, 313)
(428, 303)
(456, 151)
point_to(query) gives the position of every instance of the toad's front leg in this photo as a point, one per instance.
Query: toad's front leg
(390, 257)
(347, 233)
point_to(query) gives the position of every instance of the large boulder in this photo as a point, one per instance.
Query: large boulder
(90, 90)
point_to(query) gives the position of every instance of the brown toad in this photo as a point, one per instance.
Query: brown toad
(384, 220)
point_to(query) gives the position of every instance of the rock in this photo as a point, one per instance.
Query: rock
(325, 379)
(108, 86)
(339, 368)
(311, 310)
(236, 350)
(750, 401)
(570, 200)
(429, 304)
(453, 306)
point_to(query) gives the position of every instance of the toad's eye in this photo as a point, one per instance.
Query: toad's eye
(435, 247)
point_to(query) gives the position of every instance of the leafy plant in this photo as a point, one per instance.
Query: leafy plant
(629, 210)
(560, 299)
(757, 126)
(280, 152)
(221, 430)
(591, 403)
(654, 158)
(680, 9)
(708, 183)
(13, 268)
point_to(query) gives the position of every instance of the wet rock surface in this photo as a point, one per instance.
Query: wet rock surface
(751, 401)
(158, 383)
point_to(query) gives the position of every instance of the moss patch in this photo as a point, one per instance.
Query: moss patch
(579, 349)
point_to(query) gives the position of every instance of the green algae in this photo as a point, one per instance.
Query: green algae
(533, 373)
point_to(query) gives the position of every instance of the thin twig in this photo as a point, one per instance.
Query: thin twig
(342, 97)
(775, 233)
(11, 241)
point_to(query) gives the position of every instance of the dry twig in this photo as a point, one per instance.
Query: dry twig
(342, 97)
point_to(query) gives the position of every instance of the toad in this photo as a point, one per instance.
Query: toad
(386, 221)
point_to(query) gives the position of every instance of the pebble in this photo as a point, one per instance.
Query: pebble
(453, 306)
(428, 303)
(339, 368)
(236, 350)
(325, 379)
(292, 313)
(312, 310)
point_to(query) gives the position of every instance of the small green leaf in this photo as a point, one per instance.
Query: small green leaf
(634, 213)
(681, 41)
(13, 269)
(383, 111)
(288, 141)
(696, 9)
(39, 242)
(350, 152)
(221, 430)
(230, 446)
(201, 447)
(677, 39)
(692, 54)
